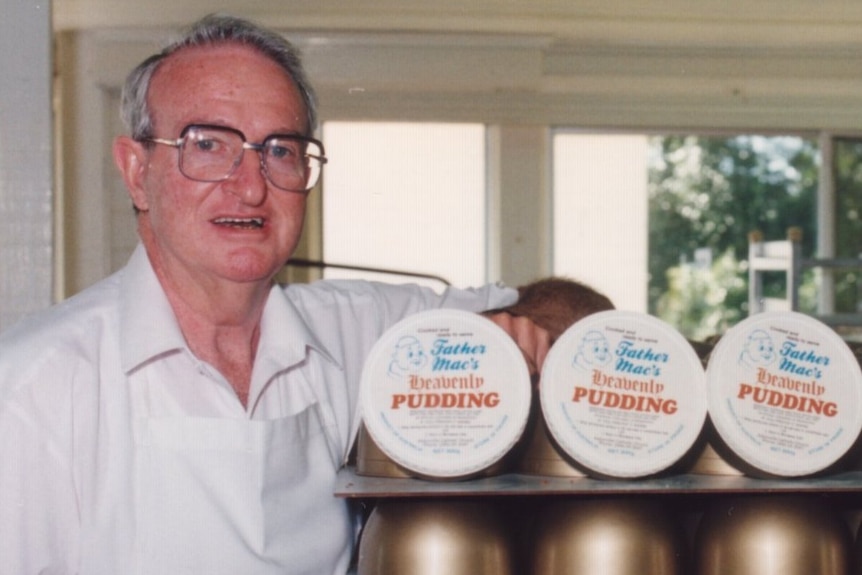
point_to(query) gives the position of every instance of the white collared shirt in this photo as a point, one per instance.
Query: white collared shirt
(122, 453)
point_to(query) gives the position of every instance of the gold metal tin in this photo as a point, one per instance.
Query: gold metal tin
(772, 535)
(435, 537)
(709, 462)
(538, 454)
(372, 462)
(857, 552)
(606, 536)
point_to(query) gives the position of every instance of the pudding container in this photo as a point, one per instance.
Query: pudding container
(445, 394)
(372, 462)
(623, 395)
(785, 396)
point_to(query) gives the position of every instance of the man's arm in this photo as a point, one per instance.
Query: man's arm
(39, 526)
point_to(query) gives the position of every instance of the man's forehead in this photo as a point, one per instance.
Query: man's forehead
(218, 62)
(193, 81)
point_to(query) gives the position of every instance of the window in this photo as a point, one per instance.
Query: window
(600, 214)
(660, 223)
(657, 222)
(419, 189)
(847, 174)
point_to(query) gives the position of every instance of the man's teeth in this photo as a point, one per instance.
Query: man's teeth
(240, 222)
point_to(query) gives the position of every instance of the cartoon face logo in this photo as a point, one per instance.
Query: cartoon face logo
(407, 357)
(758, 350)
(594, 350)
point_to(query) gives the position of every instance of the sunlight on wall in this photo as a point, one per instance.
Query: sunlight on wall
(406, 196)
(600, 214)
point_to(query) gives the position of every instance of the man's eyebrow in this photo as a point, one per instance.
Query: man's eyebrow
(291, 133)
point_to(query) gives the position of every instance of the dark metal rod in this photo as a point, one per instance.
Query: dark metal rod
(304, 263)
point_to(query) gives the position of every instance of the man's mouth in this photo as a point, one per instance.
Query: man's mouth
(242, 223)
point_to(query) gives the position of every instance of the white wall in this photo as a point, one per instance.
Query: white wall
(26, 159)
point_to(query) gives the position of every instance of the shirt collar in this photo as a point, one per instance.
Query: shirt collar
(149, 328)
(285, 337)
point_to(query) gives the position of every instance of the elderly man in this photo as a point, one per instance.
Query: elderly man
(187, 415)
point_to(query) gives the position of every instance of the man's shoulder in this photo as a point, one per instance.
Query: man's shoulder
(407, 296)
(348, 292)
(66, 328)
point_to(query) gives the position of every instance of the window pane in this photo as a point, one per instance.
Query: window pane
(660, 223)
(600, 214)
(847, 170)
(406, 196)
(707, 194)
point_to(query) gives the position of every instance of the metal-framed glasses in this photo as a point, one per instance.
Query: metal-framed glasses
(213, 153)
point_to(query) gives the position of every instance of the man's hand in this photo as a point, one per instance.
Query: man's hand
(533, 340)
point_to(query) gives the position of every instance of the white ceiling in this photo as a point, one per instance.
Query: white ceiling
(822, 24)
(755, 64)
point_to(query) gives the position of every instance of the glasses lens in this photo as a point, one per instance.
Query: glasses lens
(210, 154)
(292, 163)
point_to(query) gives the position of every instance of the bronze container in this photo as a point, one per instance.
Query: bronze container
(605, 536)
(710, 462)
(371, 461)
(435, 537)
(857, 552)
(538, 454)
(772, 535)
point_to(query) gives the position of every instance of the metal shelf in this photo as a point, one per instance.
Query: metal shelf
(351, 485)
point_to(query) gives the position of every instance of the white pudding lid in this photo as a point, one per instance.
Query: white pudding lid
(623, 394)
(445, 393)
(785, 393)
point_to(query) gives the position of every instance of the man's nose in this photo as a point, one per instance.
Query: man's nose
(248, 182)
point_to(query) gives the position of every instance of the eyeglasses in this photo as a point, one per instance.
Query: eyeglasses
(213, 153)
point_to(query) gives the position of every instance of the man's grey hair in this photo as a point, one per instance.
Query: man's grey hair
(215, 29)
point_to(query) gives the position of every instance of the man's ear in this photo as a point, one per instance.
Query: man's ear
(130, 156)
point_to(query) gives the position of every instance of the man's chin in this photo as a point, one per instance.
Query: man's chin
(245, 268)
